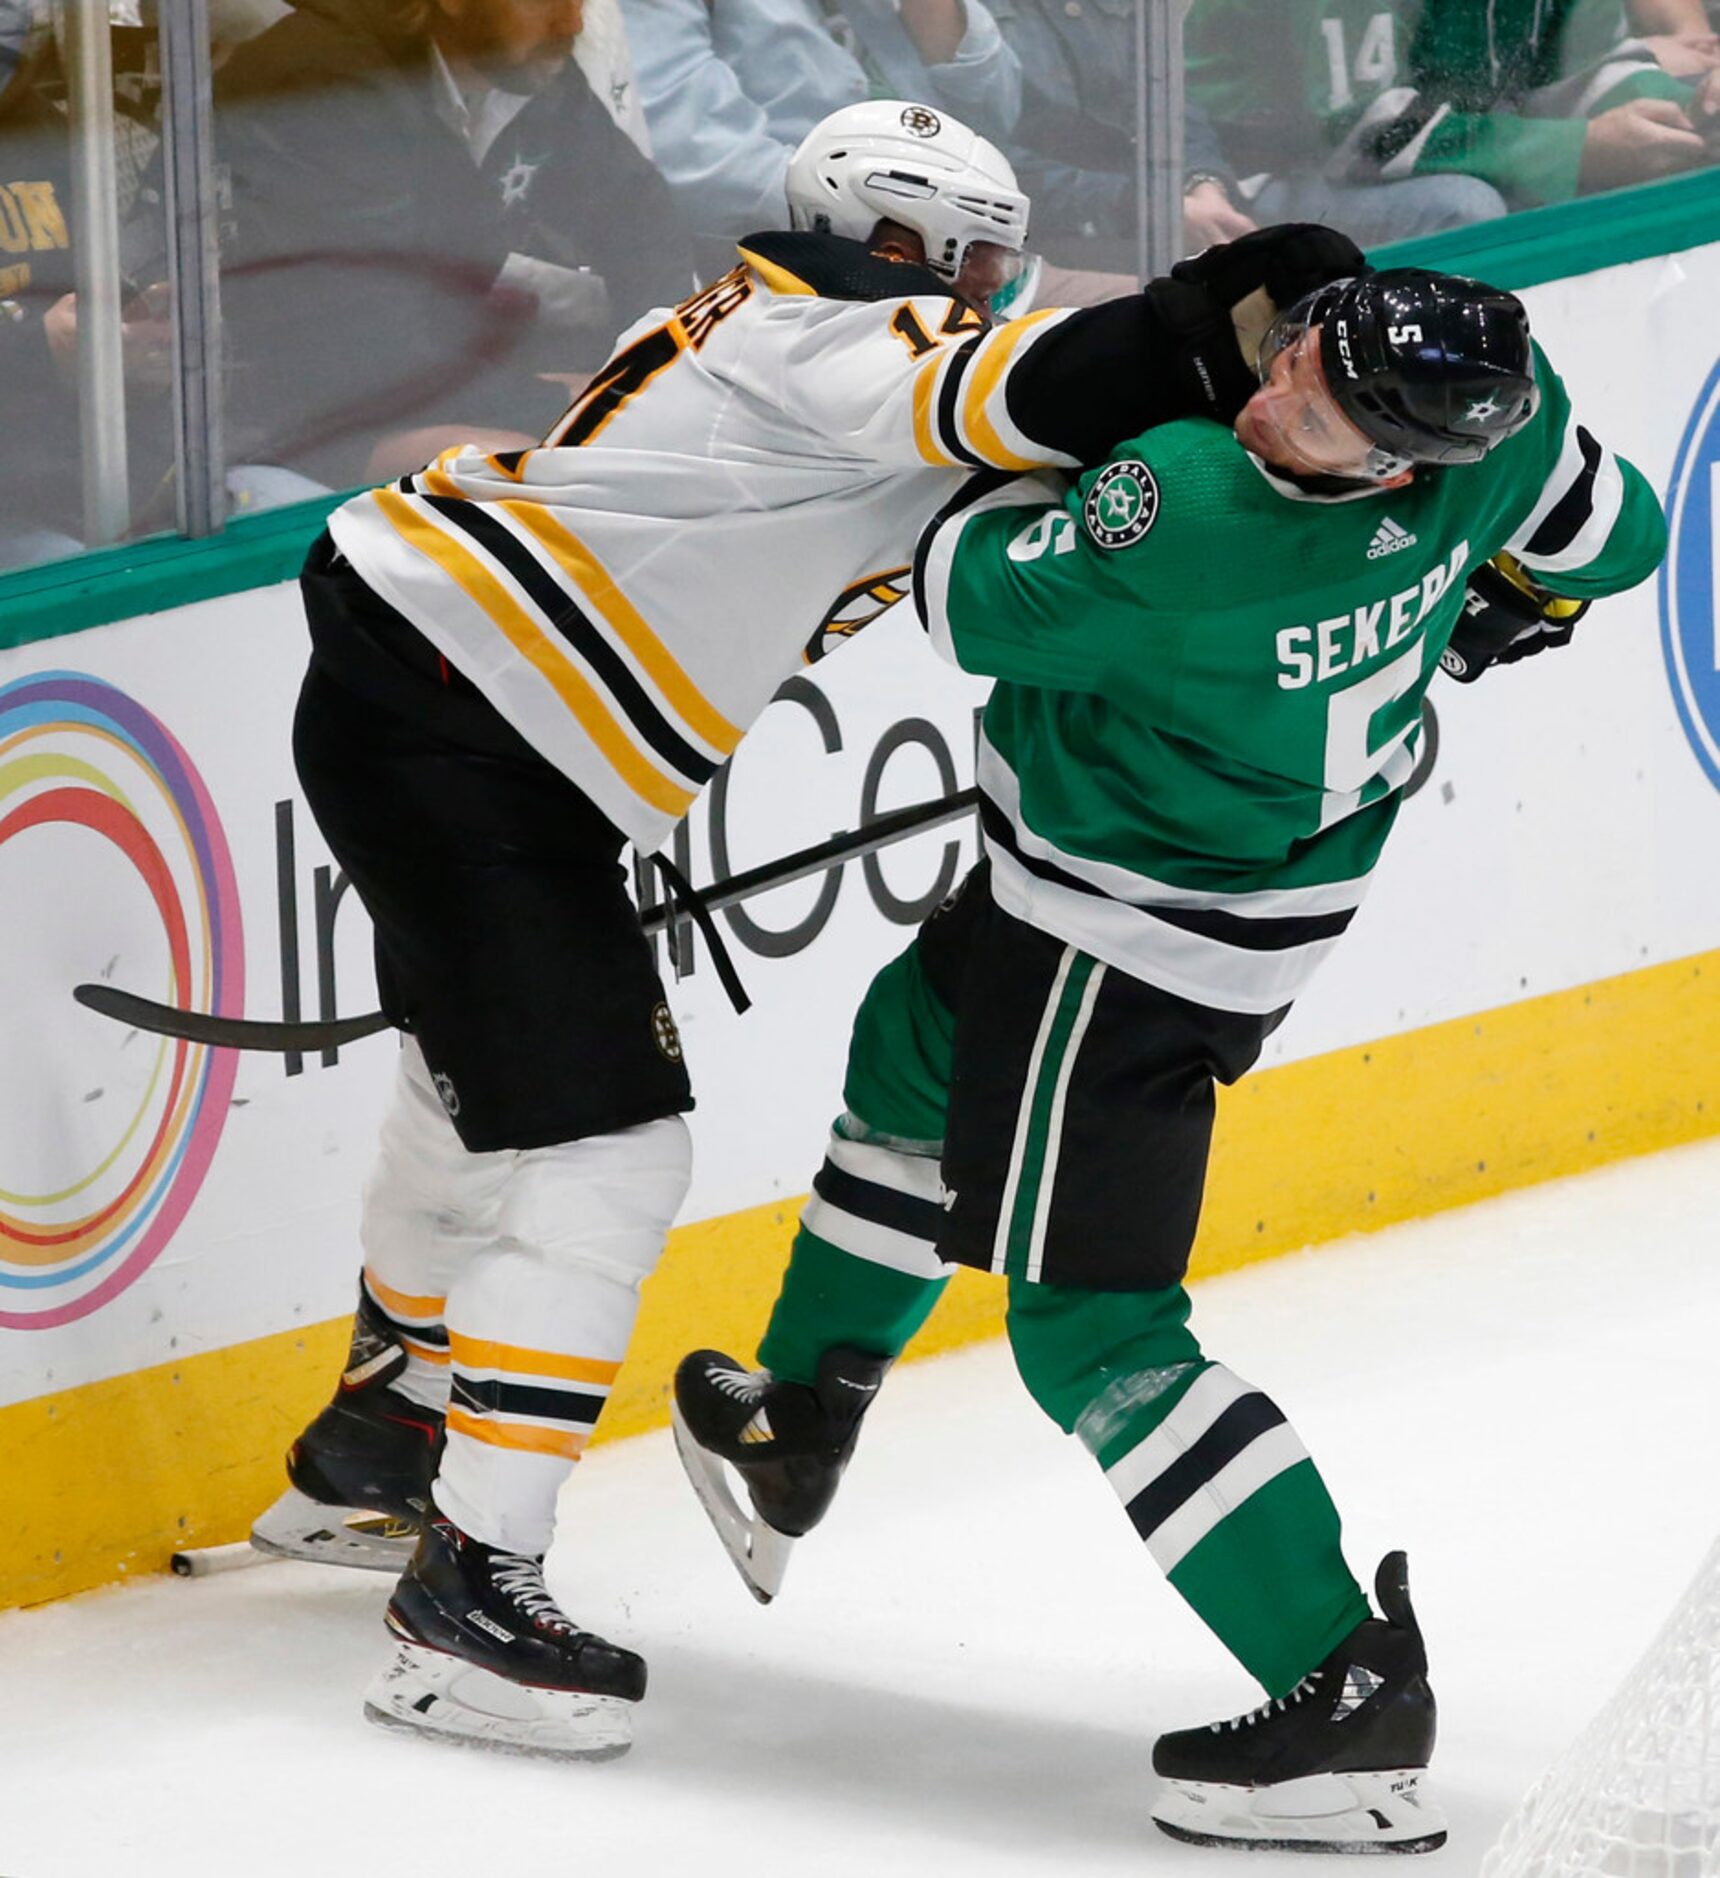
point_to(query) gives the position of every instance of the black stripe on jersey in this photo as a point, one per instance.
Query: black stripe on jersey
(1568, 516)
(971, 491)
(1276, 933)
(520, 1398)
(879, 1205)
(949, 397)
(1272, 933)
(1239, 1427)
(625, 375)
(552, 601)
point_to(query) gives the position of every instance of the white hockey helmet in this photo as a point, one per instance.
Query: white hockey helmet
(890, 159)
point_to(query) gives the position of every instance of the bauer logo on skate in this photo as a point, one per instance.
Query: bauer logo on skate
(105, 1134)
(1690, 580)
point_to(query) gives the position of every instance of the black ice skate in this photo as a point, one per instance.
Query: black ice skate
(1334, 1766)
(789, 1444)
(361, 1471)
(485, 1656)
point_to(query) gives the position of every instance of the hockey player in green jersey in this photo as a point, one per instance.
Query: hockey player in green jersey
(1211, 654)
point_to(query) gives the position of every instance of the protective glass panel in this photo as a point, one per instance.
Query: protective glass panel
(1396, 121)
(437, 216)
(83, 306)
(436, 220)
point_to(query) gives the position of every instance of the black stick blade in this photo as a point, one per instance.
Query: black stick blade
(229, 1033)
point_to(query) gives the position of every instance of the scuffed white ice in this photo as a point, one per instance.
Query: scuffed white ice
(970, 1659)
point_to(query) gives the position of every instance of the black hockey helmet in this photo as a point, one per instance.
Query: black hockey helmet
(1432, 368)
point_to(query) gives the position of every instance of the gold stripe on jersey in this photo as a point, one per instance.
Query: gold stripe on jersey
(516, 1359)
(400, 1303)
(425, 1352)
(535, 645)
(629, 625)
(524, 1437)
(434, 480)
(775, 276)
(925, 409)
(518, 473)
(983, 379)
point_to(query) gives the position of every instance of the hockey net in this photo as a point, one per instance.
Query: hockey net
(1638, 1795)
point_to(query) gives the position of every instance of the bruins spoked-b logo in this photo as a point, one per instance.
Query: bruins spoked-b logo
(1122, 504)
(917, 121)
(664, 1033)
(854, 608)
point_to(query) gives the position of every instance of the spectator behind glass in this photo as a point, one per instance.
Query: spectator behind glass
(41, 493)
(1074, 145)
(437, 227)
(732, 86)
(1679, 34)
(604, 56)
(39, 488)
(1392, 121)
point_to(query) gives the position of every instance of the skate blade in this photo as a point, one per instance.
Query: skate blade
(297, 1526)
(759, 1551)
(1372, 1812)
(427, 1692)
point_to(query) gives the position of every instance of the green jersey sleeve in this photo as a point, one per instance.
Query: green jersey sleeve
(1587, 523)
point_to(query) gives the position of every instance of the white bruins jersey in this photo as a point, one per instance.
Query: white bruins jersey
(738, 490)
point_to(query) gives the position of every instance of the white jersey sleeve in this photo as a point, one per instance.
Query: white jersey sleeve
(917, 383)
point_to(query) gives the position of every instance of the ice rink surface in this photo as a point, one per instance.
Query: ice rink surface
(970, 1659)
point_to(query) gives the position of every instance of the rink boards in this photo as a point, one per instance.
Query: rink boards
(1528, 991)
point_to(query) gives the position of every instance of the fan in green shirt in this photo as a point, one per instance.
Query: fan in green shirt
(1542, 99)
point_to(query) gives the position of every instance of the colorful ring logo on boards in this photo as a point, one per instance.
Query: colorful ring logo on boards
(1690, 581)
(75, 752)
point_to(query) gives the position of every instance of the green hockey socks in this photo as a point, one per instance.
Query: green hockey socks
(1210, 1473)
(864, 1271)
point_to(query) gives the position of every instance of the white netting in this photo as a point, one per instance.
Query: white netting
(1638, 1796)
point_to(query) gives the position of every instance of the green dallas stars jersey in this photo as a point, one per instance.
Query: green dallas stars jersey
(1211, 682)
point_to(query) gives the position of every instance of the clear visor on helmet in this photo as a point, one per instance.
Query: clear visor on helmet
(998, 280)
(1304, 420)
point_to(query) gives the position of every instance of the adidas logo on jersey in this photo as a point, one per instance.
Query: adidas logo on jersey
(1389, 539)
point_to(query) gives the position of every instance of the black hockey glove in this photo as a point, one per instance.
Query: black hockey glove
(1199, 305)
(1507, 615)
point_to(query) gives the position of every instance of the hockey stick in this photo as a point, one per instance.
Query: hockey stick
(244, 1033)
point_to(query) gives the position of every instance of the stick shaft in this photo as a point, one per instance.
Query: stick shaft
(246, 1033)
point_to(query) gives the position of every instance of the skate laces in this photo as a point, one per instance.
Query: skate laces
(743, 1385)
(521, 1579)
(1305, 1688)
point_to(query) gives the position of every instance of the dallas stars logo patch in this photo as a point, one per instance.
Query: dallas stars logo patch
(1122, 505)
(517, 179)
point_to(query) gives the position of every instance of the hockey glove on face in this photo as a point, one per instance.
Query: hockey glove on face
(1215, 308)
(1507, 615)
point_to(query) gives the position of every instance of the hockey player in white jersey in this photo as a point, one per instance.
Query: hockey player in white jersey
(521, 661)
